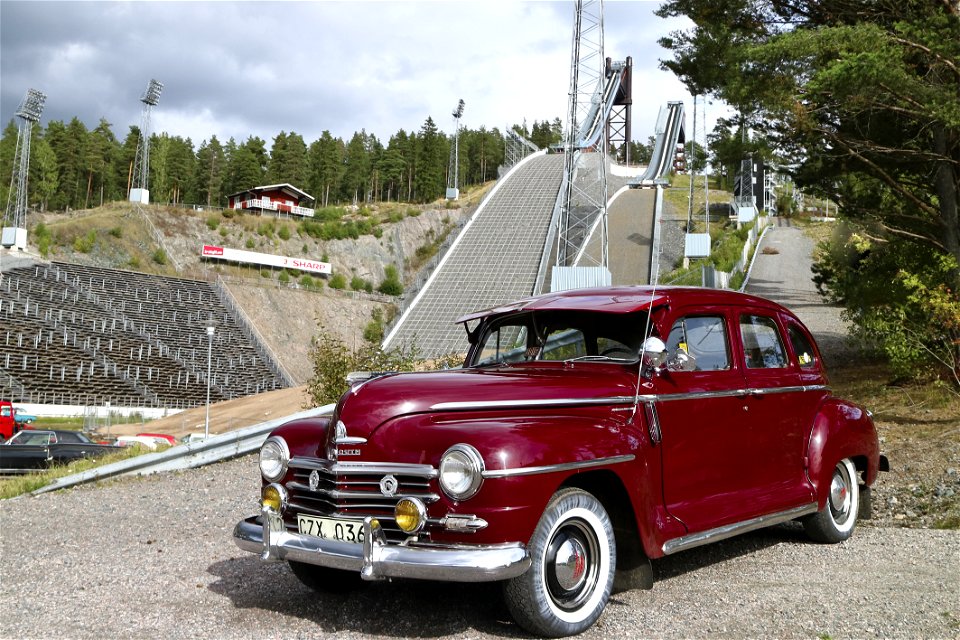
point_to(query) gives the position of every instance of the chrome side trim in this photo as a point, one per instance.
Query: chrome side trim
(663, 397)
(552, 468)
(728, 531)
(354, 468)
(539, 402)
(376, 559)
(335, 494)
(350, 440)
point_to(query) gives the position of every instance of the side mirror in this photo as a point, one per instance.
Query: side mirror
(682, 361)
(653, 356)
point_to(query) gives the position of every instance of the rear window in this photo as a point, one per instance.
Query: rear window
(802, 346)
(762, 347)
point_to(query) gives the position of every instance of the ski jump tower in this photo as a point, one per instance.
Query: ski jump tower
(15, 214)
(583, 205)
(141, 166)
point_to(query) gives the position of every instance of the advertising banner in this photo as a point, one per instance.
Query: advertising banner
(252, 257)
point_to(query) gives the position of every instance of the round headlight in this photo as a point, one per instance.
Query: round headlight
(274, 456)
(461, 472)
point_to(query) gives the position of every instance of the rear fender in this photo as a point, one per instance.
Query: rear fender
(841, 430)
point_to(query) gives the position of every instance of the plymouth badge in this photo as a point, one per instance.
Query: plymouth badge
(314, 480)
(388, 486)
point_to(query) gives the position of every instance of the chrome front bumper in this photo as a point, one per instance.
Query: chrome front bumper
(375, 559)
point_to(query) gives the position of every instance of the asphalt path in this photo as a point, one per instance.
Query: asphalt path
(781, 271)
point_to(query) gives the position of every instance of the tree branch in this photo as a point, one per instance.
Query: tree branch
(883, 175)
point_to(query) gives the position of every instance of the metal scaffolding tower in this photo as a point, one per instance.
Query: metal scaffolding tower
(619, 134)
(453, 172)
(515, 148)
(140, 191)
(15, 215)
(583, 206)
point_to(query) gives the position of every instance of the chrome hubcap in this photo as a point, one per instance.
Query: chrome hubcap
(839, 494)
(570, 564)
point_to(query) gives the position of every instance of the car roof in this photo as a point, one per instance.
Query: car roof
(622, 300)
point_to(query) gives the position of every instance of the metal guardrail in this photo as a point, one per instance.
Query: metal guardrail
(186, 456)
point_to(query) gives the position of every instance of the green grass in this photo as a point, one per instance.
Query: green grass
(13, 486)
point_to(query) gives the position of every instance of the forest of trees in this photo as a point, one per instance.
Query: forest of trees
(73, 167)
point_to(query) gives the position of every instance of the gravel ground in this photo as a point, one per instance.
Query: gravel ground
(154, 558)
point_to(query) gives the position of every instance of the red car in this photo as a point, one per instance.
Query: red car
(587, 433)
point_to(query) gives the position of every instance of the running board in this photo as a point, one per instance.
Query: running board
(730, 530)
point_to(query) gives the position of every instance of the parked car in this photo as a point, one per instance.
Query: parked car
(149, 440)
(31, 450)
(587, 433)
(22, 417)
(160, 438)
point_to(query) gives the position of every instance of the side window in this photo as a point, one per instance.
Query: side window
(703, 337)
(506, 343)
(806, 356)
(563, 343)
(762, 346)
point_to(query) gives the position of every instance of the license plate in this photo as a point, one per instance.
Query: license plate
(331, 528)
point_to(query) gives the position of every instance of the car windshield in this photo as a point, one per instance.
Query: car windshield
(560, 336)
(33, 437)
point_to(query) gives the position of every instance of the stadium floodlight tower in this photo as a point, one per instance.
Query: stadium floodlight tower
(141, 165)
(15, 215)
(453, 173)
(581, 250)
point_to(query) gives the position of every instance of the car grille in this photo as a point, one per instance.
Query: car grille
(352, 490)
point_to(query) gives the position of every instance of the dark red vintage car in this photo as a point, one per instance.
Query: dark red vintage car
(587, 433)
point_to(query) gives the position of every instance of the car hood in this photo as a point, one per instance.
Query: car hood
(514, 388)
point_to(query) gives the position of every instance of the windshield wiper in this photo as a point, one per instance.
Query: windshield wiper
(597, 359)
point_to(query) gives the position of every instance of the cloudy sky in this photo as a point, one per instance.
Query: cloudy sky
(235, 69)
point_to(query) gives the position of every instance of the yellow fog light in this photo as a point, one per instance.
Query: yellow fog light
(274, 496)
(411, 515)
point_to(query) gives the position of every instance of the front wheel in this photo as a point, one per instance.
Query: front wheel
(835, 522)
(573, 555)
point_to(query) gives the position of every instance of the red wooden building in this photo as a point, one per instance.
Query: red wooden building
(273, 198)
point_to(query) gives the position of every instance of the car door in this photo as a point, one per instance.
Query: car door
(706, 468)
(778, 409)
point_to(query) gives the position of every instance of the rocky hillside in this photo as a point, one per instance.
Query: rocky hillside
(285, 307)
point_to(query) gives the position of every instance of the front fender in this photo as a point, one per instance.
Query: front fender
(841, 430)
(527, 458)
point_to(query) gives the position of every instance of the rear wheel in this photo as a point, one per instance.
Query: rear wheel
(324, 579)
(573, 555)
(835, 522)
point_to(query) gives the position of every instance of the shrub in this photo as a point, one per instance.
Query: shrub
(224, 232)
(213, 222)
(250, 244)
(84, 243)
(284, 277)
(338, 281)
(284, 232)
(160, 256)
(43, 238)
(116, 232)
(391, 284)
(357, 283)
(332, 361)
(308, 282)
